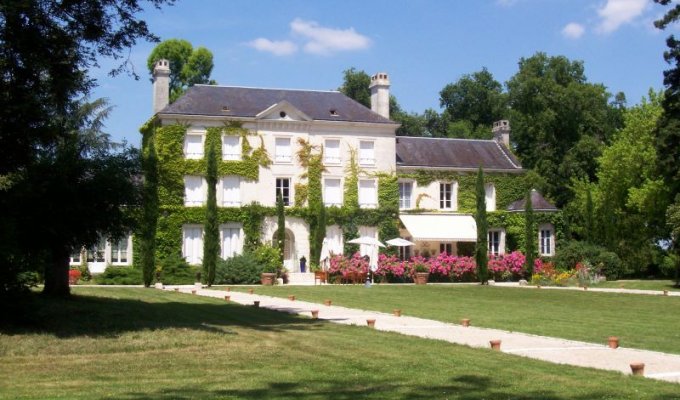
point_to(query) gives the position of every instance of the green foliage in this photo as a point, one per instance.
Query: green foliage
(605, 262)
(211, 231)
(240, 269)
(176, 271)
(481, 249)
(187, 66)
(149, 221)
(530, 236)
(355, 86)
(269, 258)
(119, 276)
(476, 98)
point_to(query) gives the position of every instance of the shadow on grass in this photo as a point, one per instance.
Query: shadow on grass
(470, 387)
(83, 314)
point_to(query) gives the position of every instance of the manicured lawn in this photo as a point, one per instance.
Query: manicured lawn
(640, 284)
(143, 343)
(640, 321)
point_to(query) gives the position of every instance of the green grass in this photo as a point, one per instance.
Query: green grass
(145, 344)
(640, 284)
(640, 321)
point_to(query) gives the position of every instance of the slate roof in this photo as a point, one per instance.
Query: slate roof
(454, 153)
(538, 203)
(210, 100)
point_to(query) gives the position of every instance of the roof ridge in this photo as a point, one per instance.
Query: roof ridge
(261, 88)
(433, 138)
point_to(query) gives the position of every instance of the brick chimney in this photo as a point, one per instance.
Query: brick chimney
(380, 94)
(161, 85)
(501, 132)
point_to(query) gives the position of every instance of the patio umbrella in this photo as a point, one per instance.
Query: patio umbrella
(325, 254)
(399, 242)
(370, 248)
(367, 240)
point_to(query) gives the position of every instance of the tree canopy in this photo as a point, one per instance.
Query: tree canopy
(188, 66)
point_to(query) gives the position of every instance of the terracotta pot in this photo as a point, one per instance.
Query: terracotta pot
(421, 278)
(193, 292)
(256, 303)
(227, 298)
(495, 344)
(176, 289)
(665, 292)
(465, 322)
(327, 302)
(315, 314)
(396, 312)
(585, 288)
(613, 342)
(371, 323)
(291, 298)
(638, 368)
(267, 278)
(250, 291)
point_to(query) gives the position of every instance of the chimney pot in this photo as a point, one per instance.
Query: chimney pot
(501, 132)
(161, 85)
(380, 94)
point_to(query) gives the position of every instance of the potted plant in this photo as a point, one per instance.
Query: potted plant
(421, 273)
(268, 276)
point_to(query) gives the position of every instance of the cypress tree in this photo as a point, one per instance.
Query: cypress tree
(147, 248)
(281, 228)
(211, 243)
(529, 237)
(481, 248)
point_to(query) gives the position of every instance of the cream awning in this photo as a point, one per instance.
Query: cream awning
(441, 228)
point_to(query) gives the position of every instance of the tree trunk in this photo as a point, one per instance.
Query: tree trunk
(56, 274)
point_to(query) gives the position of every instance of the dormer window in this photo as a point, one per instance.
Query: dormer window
(334, 113)
(282, 114)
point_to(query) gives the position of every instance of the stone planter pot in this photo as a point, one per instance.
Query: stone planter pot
(250, 291)
(315, 314)
(256, 303)
(421, 278)
(291, 298)
(465, 322)
(327, 302)
(396, 312)
(370, 323)
(227, 298)
(613, 342)
(638, 368)
(495, 345)
(267, 278)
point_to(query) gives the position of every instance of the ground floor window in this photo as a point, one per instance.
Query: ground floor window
(446, 248)
(232, 240)
(546, 240)
(192, 243)
(496, 242)
(119, 251)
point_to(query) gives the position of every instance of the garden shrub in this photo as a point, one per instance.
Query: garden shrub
(240, 269)
(176, 271)
(119, 276)
(269, 258)
(602, 260)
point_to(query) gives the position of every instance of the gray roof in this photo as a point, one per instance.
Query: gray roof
(538, 203)
(454, 153)
(242, 102)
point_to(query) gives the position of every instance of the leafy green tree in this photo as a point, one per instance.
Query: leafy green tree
(281, 227)
(188, 66)
(552, 107)
(211, 241)
(529, 236)
(481, 247)
(355, 86)
(147, 242)
(477, 98)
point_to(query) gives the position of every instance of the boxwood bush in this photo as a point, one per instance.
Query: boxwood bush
(240, 269)
(119, 276)
(604, 261)
(176, 271)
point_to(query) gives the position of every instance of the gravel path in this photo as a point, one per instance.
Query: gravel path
(658, 365)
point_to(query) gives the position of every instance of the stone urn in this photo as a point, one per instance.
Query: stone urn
(421, 278)
(267, 278)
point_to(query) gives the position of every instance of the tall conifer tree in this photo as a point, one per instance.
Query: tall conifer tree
(481, 249)
(529, 236)
(149, 213)
(211, 243)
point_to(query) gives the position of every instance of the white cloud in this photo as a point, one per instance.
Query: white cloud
(618, 12)
(276, 47)
(573, 30)
(322, 40)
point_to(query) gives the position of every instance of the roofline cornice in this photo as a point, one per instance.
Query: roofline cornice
(321, 122)
(459, 169)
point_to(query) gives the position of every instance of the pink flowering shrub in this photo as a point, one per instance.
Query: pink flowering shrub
(343, 266)
(392, 269)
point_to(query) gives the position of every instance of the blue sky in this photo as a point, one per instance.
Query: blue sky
(423, 45)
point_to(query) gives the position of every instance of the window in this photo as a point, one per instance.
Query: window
(367, 194)
(231, 149)
(282, 151)
(231, 191)
(496, 242)
(194, 190)
(490, 197)
(75, 255)
(231, 240)
(119, 251)
(405, 190)
(97, 253)
(192, 244)
(405, 251)
(193, 146)
(332, 193)
(446, 195)
(366, 153)
(546, 240)
(331, 151)
(334, 239)
(283, 187)
(446, 248)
